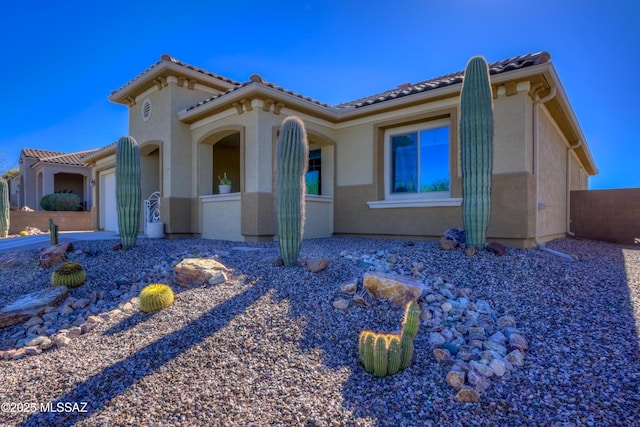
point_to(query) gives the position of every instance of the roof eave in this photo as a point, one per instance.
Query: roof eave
(164, 68)
(562, 98)
(253, 91)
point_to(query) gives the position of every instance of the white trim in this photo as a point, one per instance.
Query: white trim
(318, 198)
(415, 203)
(219, 197)
(411, 197)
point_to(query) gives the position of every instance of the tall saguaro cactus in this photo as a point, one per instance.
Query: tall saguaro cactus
(4, 208)
(128, 191)
(292, 159)
(476, 140)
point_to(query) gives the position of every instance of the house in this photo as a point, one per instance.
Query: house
(387, 165)
(44, 172)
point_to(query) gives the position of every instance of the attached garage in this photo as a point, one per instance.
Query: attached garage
(108, 208)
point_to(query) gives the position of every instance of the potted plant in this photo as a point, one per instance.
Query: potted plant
(225, 184)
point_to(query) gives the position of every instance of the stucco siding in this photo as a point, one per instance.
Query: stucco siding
(354, 155)
(512, 133)
(553, 179)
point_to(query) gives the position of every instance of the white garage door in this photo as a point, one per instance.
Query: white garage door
(108, 207)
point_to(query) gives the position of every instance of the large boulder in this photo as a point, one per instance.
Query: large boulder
(397, 289)
(54, 254)
(200, 271)
(31, 305)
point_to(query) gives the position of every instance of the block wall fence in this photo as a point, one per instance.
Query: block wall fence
(607, 215)
(66, 221)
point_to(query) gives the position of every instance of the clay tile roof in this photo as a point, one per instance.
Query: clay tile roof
(505, 65)
(167, 58)
(258, 80)
(46, 156)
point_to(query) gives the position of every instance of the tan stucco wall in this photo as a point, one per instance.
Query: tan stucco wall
(553, 176)
(512, 138)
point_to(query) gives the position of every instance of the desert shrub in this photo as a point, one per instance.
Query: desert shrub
(61, 202)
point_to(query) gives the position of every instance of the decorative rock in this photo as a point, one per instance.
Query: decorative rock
(496, 248)
(479, 382)
(364, 298)
(481, 368)
(341, 304)
(317, 265)
(86, 327)
(94, 319)
(14, 259)
(397, 289)
(30, 305)
(35, 320)
(442, 355)
(498, 367)
(74, 332)
(446, 244)
(200, 271)
(61, 340)
(54, 254)
(436, 339)
(519, 342)
(81, 303)
(467, 394)
(507, 321)
(471, 251)
(498, 337)
(349, 287)
(456, 379)
(516, 358)
(497, 347)
(33, 342)
(457, 235)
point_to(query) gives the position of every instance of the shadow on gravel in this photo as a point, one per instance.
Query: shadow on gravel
(118, 377)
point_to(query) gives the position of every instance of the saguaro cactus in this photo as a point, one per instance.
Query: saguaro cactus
(476, 140)
(4, 208)
(128, 192)
(292, 159)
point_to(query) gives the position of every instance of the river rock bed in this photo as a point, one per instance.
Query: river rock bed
(268, 347)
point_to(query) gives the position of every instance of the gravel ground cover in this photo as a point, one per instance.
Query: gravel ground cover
(267, 347)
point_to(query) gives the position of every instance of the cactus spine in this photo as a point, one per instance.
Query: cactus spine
(476, 140)
(4, 208)
(292, 159)
(128, 192)
(386, 354)
(155, 297)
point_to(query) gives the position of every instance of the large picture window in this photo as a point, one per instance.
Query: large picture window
(419, 160)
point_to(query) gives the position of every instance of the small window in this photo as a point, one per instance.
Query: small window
(313, 178)
(418, 160)
(146, 109)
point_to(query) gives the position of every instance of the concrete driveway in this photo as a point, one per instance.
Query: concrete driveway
(16, 244)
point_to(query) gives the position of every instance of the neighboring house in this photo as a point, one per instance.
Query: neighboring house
(44, 172)
(385, 165)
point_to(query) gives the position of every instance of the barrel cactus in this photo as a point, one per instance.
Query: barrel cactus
(4, 208)
(386, 354)
(155, 297)
(69, 274)
(292, 159)
(476, 145)
(128, 190)
(366, 341)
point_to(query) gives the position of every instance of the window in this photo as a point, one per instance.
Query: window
(313, 179)
(418, 160)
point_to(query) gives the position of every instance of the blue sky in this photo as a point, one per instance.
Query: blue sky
(59, 62)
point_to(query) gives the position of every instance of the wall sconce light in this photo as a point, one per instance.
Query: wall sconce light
(93, 182)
